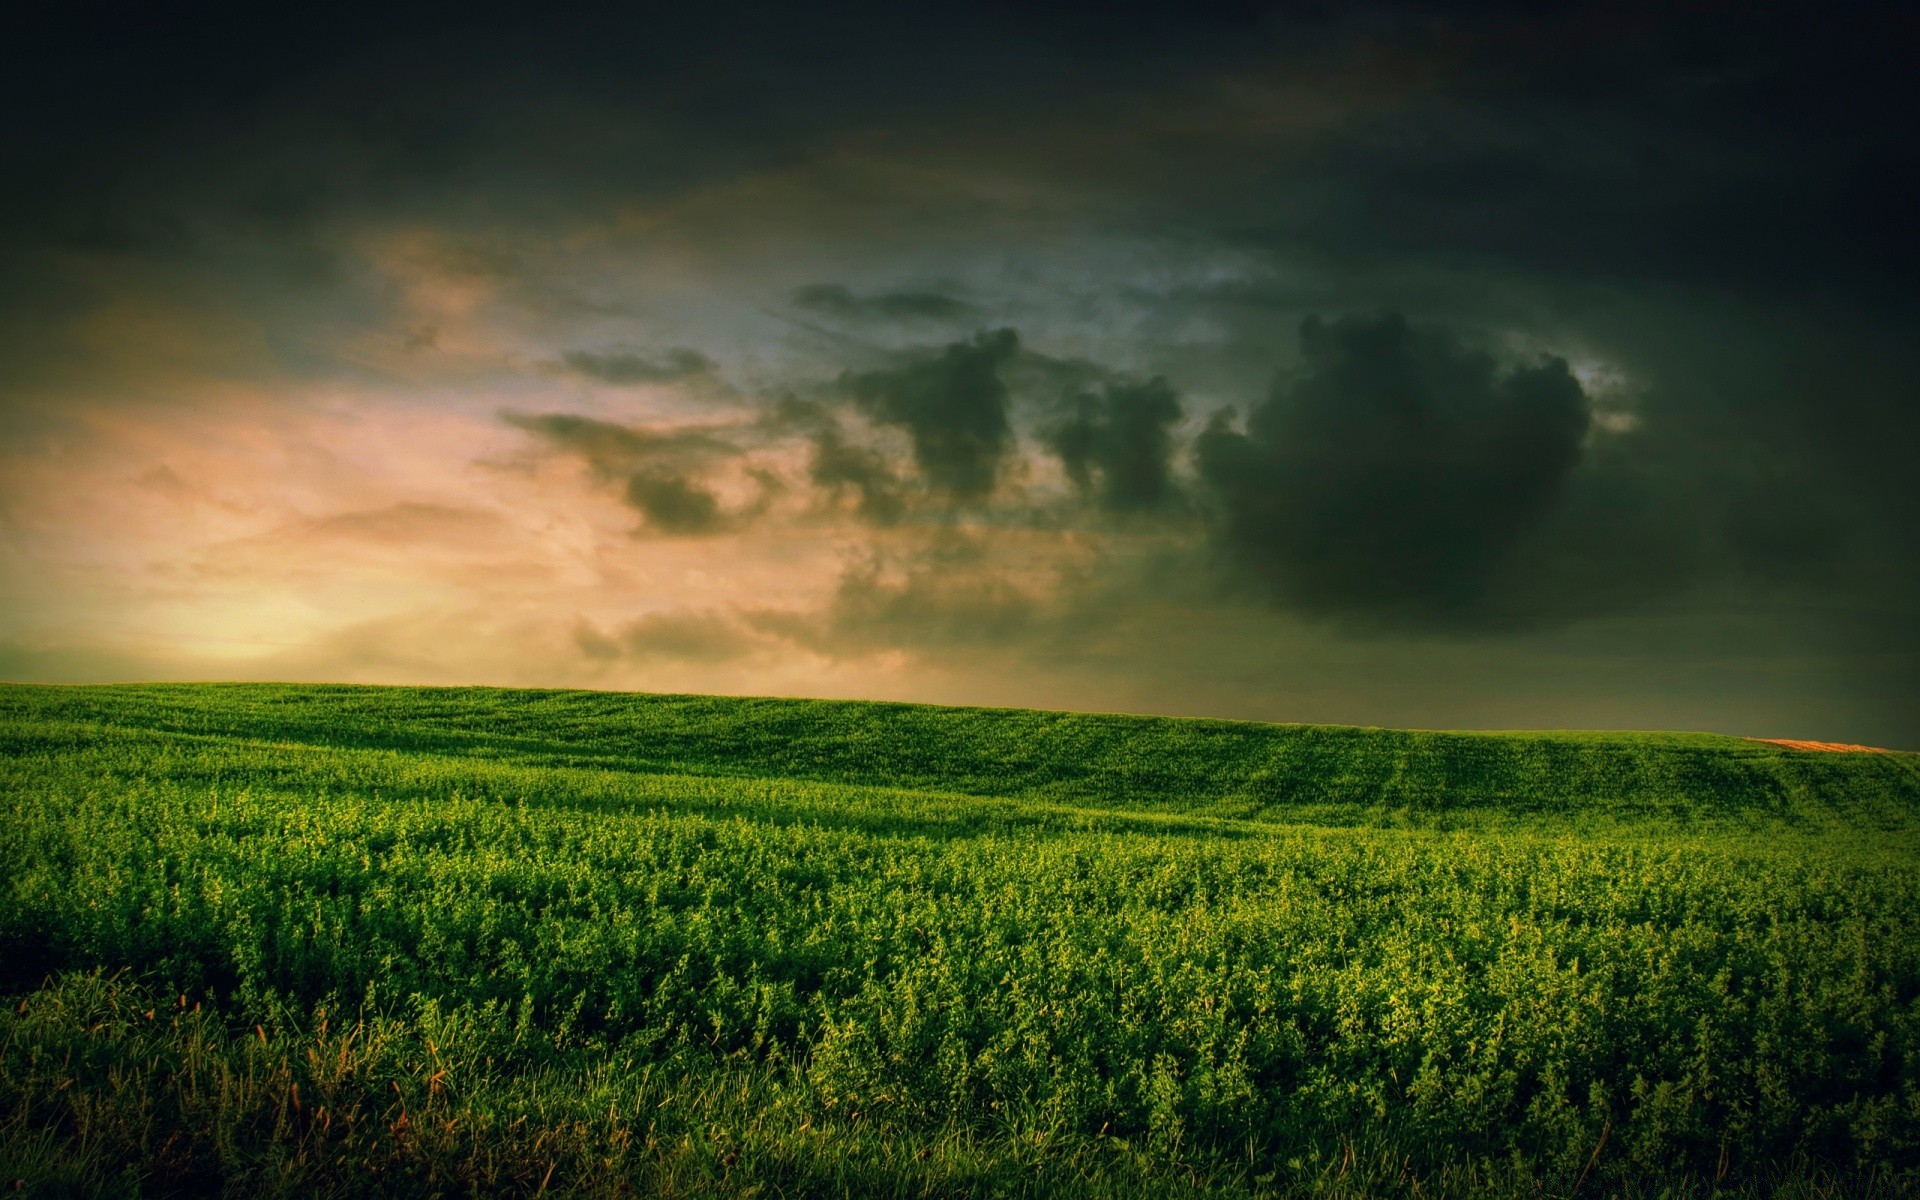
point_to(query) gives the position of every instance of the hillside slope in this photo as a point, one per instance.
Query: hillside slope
(1315, 773)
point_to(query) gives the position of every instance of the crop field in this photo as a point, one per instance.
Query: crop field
(330, 941)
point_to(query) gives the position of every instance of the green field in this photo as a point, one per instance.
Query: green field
(330, 941)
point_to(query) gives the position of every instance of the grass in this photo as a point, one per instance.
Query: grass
(378, 941)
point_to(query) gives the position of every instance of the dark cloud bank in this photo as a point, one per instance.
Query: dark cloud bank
(1395, 478)
(1393, 475)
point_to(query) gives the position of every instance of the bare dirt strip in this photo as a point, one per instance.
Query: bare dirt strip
(1827, 747)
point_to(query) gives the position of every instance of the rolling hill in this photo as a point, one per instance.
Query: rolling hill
(349, 940)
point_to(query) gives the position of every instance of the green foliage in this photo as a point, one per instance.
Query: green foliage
(699, 945)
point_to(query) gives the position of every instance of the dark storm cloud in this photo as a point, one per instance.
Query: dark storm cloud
(835, 300)
(1392, 475)
(1118, 444)
(659, 473)
(143, 129)
(674, 504)
(623, 370)
(842, 468)
(612, 449)
(953, 407)
(1670, 142)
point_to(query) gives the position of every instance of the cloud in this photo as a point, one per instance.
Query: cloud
(935, 601)
(674, 504)
(929, 610)
(686, 637)
(407, 524)
(1722, 215)
(1118, 446)
(660, 473)
(843, 467)
(613, 448)
(1391, 476)
(626, 370)
(835, 300)
(953, 406)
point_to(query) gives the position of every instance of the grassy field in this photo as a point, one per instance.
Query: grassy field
(381, 941)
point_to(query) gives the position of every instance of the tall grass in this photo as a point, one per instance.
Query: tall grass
(378, 941)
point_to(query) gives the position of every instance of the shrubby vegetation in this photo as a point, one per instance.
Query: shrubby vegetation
(342, 941)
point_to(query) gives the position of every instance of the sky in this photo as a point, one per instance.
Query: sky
(1446, 366)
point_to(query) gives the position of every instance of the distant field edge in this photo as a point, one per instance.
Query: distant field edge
(324, 687)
